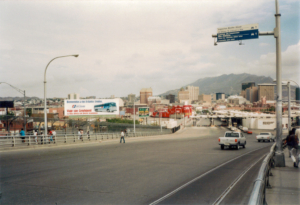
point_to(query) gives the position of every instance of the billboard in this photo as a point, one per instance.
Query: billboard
(6, 104)
(143, 111)
(92, 107)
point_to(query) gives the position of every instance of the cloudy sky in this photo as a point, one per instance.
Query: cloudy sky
(124, 46)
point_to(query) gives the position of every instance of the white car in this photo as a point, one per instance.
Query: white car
(232, 139)
(265, 136)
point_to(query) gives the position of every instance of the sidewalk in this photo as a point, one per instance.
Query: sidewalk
(285, 184)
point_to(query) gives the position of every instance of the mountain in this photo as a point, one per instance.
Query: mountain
(228, 84)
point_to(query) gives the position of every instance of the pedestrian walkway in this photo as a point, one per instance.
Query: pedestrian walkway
(285, 184)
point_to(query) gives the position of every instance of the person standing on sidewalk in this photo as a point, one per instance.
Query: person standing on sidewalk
(22, 133)
(122, 137)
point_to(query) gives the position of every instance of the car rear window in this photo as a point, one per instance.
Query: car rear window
(228, 134)
(264, 134)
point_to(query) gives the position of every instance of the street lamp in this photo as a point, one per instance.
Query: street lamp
(22, 92)
(45, 100)
(289, 101)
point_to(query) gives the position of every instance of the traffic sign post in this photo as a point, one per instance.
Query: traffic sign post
(238, 33)
(245, 32)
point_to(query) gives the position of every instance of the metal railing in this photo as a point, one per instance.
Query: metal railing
(258, 194)
(28, 140)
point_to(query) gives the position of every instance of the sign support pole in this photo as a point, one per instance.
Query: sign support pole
(279, 155)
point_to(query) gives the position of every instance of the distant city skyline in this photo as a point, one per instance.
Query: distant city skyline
(125, 46)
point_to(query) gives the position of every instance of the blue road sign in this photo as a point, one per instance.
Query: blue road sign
(237, 35)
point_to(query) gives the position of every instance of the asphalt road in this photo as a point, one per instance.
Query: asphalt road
(140, 171)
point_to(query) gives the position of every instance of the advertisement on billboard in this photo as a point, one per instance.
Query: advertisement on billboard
(143, 111)
(92, 107)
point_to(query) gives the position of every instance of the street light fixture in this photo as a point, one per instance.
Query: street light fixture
(45, 100)
(22, 92)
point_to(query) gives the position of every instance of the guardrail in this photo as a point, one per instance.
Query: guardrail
(258, 194)
(28, 140)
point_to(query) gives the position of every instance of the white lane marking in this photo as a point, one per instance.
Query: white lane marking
(224, 194)
(202, 175)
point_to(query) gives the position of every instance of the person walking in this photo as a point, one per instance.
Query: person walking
(295, 148)
(22, 133)
(122, 137)
(79, 133)
(35, 136)
(289, 142)
(54, 135)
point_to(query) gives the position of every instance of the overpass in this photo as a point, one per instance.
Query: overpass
(187, 167)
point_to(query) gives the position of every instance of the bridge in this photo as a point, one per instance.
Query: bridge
(187, 167)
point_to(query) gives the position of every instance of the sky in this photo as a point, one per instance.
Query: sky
(125, 46)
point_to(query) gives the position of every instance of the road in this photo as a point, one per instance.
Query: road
(141, 171)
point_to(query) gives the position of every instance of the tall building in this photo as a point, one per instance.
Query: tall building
(247, 85)
(193, 92)
(220, 96)
(252, 94)
(131, 98)
(205, 98)
(183, 95)
(171, 98)
(145, 93)
(297, 93)
(266, 89)
(73, 96)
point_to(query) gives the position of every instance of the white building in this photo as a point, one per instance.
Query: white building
(73, 96)
(193, 92)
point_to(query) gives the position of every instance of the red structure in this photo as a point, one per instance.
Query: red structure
(167, 112)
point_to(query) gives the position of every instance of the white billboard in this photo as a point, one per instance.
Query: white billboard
(92, 107)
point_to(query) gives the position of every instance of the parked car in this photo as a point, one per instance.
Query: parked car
(265, 136)
(232, 139)
(249, 132)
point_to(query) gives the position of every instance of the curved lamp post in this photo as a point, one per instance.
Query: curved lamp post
(22, 92)
(45, 100)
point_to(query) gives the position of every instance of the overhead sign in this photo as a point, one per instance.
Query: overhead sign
(237, 33)
(143, 111)
(92, 107)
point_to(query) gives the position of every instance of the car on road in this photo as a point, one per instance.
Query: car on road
(233, 139)
(265, 136)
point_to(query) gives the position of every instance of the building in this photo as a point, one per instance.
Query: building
(236, 100)
(183, 95)
(193, 92)
(91, 97)
(73, 96)
(153, 100)
(247, 85)
(220, 96)
(145, 93)
(252, 94)
(171, 98)
(204, 98)
(266, 89)
(297, 93)
(131, 98)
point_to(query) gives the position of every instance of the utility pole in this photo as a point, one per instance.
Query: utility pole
(289, 109)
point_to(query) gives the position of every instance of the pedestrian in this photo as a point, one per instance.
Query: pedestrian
(295, 148)
(79, 134)
(288, 141)
(35, 136)
(122, 137)
(50, 136)
(22, 133)
(88, 134)
(54, 135)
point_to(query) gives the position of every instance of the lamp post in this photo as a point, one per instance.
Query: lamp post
(22, 92)
(45, 89)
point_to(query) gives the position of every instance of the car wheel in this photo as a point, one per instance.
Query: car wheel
(258, 140)
(237, 147)
(222, 147)
(244, 145)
